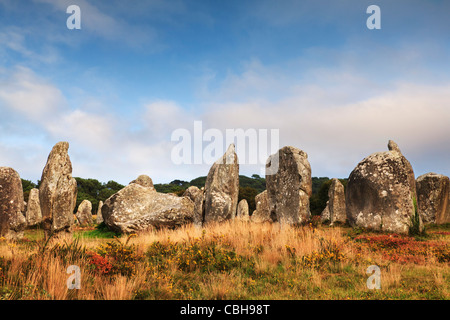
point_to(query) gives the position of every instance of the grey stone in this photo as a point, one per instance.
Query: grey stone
(33, 212)
(262, 212)
(242, 211)
(136, 208)
(380, 192)
(335, 210)
(84, 213)
(58, 191)
(433, 198)
(99, 218)
(12, 220)
(222, 188)
(289, 189)
(144, 181)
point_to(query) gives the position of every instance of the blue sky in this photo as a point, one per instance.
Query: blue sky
(138, 70)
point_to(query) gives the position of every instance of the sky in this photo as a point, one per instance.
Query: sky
(137, 71)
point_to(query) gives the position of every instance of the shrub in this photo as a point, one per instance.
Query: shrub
(329, 252)
(121, 257)
(414, 227)
(198, 254)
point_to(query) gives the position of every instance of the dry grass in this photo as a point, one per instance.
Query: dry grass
(262, 261)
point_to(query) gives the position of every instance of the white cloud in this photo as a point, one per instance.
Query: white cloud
(24, 92)
(339, 118)
(106, 25)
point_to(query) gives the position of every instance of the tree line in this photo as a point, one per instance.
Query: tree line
(96, 191)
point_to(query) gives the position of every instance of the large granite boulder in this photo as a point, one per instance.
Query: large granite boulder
(335, 210)
(262, 211)
(84, 213)
(222, 188)
(380, 192)
(433, 198)
(289, 188)
(58, 191)
(136, 208)
(12, 220)
(33, 212)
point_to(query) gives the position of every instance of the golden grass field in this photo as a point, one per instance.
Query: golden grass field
(232, 260)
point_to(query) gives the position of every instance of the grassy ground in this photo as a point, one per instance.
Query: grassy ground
(233, 260)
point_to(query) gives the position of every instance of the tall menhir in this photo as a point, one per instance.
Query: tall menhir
(58, 191)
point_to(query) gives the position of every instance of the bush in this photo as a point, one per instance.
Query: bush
(115, 257)
(196, 255)
(414, 228)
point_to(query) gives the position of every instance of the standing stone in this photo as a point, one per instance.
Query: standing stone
(447, 214)
(136, 208)
(325, 216)
(12, 220)
(433, 198)
(198, 197)
(262, 211)
(290, 187)
(99, 213)
(144, 181)
(58, 191)
(33, 213)
(84, 213)
(335, 210)
(199, 208)
(380, 192)
(222, 188)
(192, 193)
(242, 211)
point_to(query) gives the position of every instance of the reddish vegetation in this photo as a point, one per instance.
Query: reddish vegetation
(100, 264)
(404, 249)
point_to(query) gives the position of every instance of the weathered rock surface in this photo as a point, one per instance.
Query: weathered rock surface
(84, 213)
(380, 192)
(198, 197)
(33, 213)
(262, 212)
(12, 220)
(58, 190)
(325, 215)
(222, 188)
(192, 193)
(144, 181)
(136, 208)
(242, 211)
(199, 208)
(433, 198)
(99, 218)
(335, 210)
(289, 189)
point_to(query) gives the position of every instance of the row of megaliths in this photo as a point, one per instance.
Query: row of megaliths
(380, 195)
(53, 204)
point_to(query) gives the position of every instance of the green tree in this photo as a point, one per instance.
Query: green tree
(27, 185)
(249, 194)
